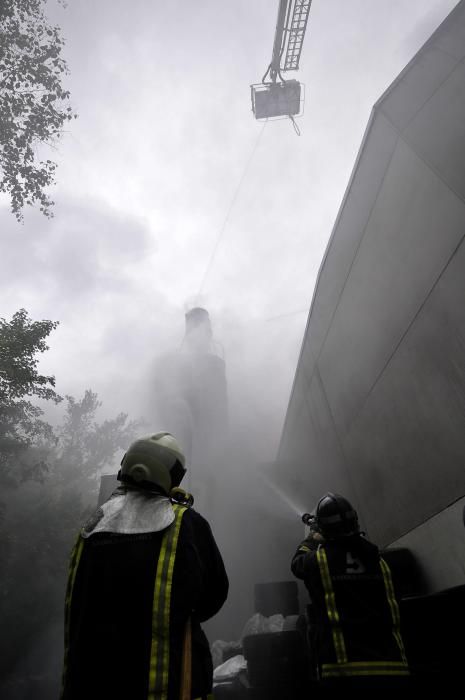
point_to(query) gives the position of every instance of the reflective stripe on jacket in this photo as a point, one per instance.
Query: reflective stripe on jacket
(357, 622)
(128, 601)
(344, 667)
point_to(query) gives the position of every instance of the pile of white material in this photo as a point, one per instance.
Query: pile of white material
(228, 670)
(259, 624)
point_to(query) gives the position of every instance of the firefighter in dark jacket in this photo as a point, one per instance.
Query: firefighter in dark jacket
(144, 573)
(354, 615)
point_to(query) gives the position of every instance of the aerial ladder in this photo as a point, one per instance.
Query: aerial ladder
(275, 96)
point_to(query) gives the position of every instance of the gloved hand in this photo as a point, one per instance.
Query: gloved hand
(313, 539)
(315, 536)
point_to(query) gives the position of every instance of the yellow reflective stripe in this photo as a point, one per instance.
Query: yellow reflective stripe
(386, 571)
(357, 664)
(365, 668)
(159, 642)
(154, 656)
(333, 615)
(157, 655)
(159, 652)
(303, 548)
(73, 567)
(169, 584)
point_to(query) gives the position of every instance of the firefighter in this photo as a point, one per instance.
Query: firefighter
(354, 614)
(144, 573)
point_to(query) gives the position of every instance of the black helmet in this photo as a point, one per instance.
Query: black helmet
(335, 516)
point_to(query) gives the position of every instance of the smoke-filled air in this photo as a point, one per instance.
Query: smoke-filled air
(168, 192)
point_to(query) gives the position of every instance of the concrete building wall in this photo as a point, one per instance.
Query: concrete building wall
(377, 410)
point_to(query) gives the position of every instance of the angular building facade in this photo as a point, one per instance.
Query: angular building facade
(377, 410)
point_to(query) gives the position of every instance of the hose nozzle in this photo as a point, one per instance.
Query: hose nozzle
(308, 519)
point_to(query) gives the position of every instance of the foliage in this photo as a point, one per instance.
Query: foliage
(49, 479)
(43, 520)
(82, 448)
(33, 104)
(85, 447)
(21, 426)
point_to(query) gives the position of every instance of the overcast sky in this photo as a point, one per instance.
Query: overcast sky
(148, 171)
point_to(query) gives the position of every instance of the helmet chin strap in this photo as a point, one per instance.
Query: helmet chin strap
(144, 485)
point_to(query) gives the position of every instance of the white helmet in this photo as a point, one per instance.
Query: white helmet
(153, 462)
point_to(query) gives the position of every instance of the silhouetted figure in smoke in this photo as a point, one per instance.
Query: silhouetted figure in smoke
(354, 615)
(191, 398)
(145, 572)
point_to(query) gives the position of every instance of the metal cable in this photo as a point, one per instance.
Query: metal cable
(233, 201)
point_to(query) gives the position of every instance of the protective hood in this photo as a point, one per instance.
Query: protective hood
(131, 512)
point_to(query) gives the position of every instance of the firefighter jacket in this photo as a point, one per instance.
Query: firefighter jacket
(129, 601)
(355, 625)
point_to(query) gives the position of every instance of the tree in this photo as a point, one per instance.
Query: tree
(84, 447)
(21, 426)
(33, 104)
(41, 530)
(49, 483)
(81, 448)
